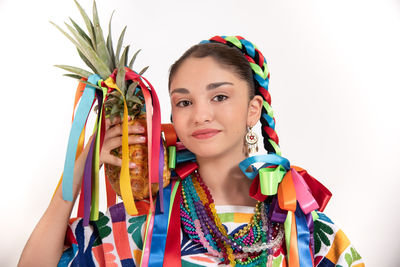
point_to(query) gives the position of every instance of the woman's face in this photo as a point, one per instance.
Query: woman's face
(211, 99)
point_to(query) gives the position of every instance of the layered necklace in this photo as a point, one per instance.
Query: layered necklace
(253, 245)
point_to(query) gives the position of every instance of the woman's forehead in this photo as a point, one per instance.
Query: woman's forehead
(206, 71)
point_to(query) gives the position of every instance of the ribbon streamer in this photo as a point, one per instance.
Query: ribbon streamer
(125, 184)
(160, 175)
(76, 130)
(160, 229)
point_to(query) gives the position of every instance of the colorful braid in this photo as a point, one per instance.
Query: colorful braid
(260, 71)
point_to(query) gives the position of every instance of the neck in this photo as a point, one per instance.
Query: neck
(227, 183)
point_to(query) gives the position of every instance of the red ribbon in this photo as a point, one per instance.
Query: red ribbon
(255, 190)
(172, 256)
(185, 168)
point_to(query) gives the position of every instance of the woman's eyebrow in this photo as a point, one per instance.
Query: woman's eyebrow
(179, 90)
(210, 86)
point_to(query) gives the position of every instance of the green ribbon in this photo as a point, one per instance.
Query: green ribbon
(270, 179)
(172, 157)
(94, 211)
(234, 40)
(315, 215)
(288, 226)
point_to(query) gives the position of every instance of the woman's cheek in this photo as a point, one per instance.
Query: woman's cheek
(178, 124)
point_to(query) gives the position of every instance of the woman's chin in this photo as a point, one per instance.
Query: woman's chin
(206, 153)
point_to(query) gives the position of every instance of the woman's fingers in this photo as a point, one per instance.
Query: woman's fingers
(116, 130)
(115, 142)
(109, 123)
(113, 160)
(113, 139)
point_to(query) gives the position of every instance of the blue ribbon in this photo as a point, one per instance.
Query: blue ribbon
(268, 160)
(263, 82)
(270, 120)
(249, 47)
(184, 155)
(303, 239)
(76, 129)
(160, 230)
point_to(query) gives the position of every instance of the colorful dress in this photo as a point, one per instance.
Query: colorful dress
(116, 239)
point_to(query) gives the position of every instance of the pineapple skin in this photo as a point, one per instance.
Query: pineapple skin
(139, 175)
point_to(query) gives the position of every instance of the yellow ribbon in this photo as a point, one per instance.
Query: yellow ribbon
(125, 181)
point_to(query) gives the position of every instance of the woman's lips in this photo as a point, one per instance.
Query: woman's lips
(205, 133)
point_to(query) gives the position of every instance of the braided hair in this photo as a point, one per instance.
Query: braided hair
(250, 65)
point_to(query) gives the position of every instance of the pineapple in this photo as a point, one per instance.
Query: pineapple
(99, 56)
(138, 155)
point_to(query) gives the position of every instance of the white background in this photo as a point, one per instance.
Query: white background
(334, 84)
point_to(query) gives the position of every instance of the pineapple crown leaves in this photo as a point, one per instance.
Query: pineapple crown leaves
(97, 53)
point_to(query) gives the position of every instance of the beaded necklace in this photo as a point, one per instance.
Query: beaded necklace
(253, 245)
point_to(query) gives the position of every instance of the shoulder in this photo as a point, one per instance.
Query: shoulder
(331, 245)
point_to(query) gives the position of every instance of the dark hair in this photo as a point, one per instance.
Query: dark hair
(224, 55)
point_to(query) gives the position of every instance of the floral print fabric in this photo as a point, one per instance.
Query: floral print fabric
(116, 239)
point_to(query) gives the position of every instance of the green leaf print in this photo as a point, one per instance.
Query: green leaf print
(353, 257)
(277, 261)
(135, 229)
(321, 230)
(348, 259)
(355, 254)
(103, 229)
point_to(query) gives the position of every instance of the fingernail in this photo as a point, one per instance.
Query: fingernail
(141, 128)
(132, 165)
(142, 138)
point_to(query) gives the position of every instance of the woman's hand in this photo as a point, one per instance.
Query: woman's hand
(113, 139)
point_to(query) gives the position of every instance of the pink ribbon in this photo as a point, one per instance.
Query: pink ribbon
(303, 193)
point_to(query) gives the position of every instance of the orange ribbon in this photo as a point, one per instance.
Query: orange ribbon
(287, 201)
(170, 136)
(287, 193)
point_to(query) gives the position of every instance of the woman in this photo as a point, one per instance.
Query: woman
(218, 91)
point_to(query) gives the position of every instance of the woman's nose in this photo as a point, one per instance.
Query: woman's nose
(203, 113)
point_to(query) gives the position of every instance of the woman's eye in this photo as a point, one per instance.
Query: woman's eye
(220, 97)
(183, 103)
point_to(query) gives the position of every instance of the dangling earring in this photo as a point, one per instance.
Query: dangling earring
(251, 141)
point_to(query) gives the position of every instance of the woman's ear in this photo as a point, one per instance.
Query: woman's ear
(254, 110)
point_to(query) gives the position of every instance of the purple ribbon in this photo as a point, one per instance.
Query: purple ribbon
(310, 224)
(87, 195)
(276, 214)
(87, 186)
